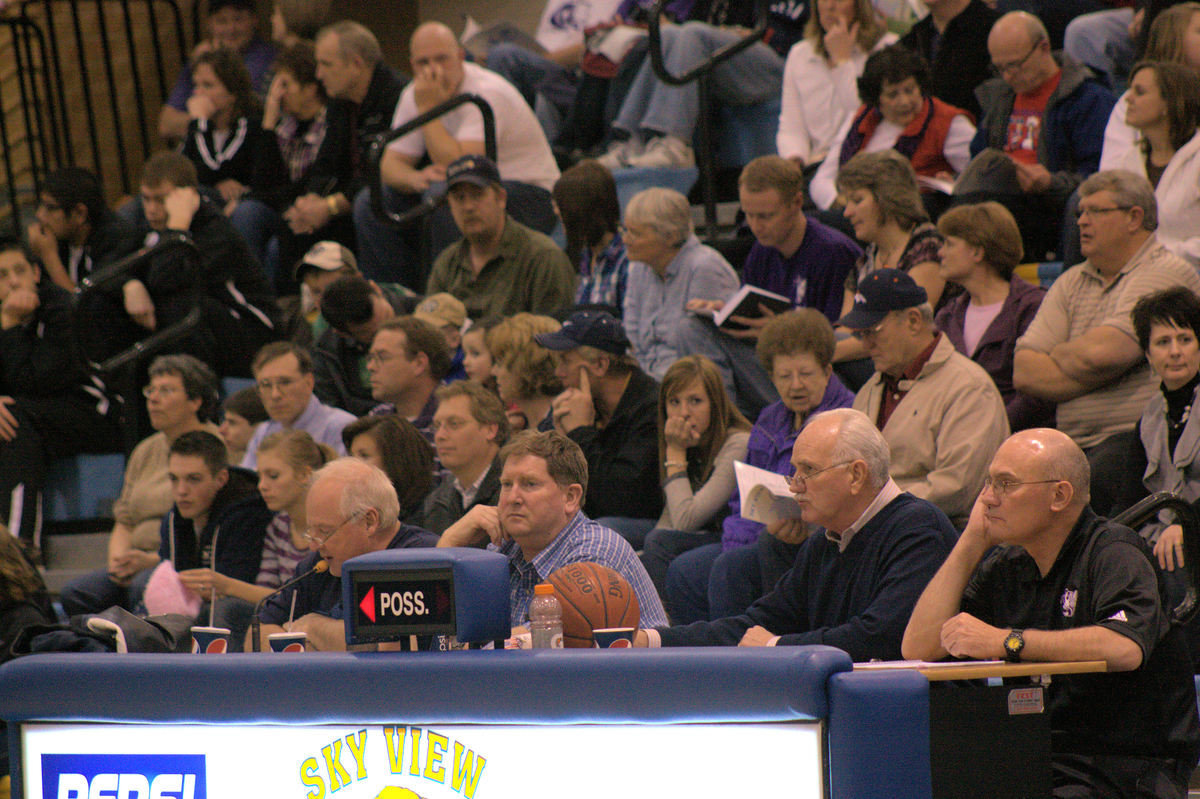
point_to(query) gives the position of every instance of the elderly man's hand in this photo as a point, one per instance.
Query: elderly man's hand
(574, 407)
(789, 531)
(1033, 178)
(756, 636)
(965, 636)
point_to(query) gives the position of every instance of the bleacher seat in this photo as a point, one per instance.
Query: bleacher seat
(232, 385)
(82, 487)
(1044, 273)
(744, 132)
(634, 179)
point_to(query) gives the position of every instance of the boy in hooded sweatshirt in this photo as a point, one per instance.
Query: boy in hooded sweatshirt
(215, 528)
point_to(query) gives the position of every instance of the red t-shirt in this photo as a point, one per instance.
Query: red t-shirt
(1025, 122)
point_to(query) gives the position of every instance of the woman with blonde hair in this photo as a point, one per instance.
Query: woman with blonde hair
(820, 88)
(524, 370)
(700, 434)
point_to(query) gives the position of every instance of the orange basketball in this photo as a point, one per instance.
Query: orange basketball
(593, 597)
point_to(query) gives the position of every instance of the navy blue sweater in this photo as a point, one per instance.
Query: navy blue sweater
(858, 600)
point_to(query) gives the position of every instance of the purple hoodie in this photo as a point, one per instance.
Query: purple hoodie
(770, 447)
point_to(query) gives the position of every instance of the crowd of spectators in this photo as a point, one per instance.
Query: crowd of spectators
(489, 387)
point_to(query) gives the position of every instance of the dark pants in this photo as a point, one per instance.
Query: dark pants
(741, 576)
(663, 546)
(1111, 777)
(1118, 463)
(47, 427)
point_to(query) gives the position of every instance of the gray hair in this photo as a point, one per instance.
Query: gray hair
(665, 211)
(198, 379)
(859, 439)
(363, 487)
(1128, 189)
(354, 40)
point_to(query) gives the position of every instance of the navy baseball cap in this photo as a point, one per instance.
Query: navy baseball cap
(880, 293)
(477, 169)
(598, 329)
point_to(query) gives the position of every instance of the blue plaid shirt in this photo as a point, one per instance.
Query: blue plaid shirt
(581, 541)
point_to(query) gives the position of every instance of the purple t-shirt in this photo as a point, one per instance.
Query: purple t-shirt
(815, 275)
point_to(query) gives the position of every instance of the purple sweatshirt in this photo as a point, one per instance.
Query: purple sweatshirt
(770, 447)
(815, 275)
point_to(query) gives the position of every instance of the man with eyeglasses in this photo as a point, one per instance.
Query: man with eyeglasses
(334, 536)
(1040, 131)
(1038, 576)
(857, 577)
(1081, 351)
(283, 374)
(406, 364)
(941, 414)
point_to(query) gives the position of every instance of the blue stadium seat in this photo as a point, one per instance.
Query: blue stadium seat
(232, 385)
(82, 487)
(744, 132)
(634, 179)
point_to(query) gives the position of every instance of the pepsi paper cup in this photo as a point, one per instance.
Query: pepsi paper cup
(614, 637)
(288, 642)
(210, 640)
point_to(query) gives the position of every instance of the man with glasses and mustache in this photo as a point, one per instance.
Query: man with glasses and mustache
(1081, 351)
(352, 510)
(873, 549)
(939, 411)
(1040, 130)
(283, 373)
(1038, 576)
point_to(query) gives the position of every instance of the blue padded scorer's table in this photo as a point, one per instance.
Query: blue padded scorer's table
(442, 724)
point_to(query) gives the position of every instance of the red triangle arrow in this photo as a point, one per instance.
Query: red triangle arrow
(368, 604)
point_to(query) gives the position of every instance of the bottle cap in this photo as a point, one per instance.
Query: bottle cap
(543, 589)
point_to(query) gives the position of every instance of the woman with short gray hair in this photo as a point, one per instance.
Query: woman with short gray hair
(668, 266)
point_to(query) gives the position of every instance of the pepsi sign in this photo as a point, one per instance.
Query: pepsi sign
(388, 604)
(123, 777)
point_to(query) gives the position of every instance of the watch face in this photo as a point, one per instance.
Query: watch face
(1011, 644)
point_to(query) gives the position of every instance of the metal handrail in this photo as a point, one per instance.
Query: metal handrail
(1185, 515)
(117, 271)
(381, 141)
(724, 54)
(700, 73)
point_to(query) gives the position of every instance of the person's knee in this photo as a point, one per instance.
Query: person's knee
(503, 57)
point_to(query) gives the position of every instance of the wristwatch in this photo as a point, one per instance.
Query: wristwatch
(1014, 642)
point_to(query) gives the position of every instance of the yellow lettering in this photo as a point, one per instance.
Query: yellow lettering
(414, 754)
(309, 775)
(435, 749)
(338, 776)
(468, 768)
(395, 755)
(357, 743)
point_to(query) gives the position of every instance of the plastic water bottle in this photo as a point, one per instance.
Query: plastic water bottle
(545, 618)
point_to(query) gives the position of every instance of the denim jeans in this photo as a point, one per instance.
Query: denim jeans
(754, 75)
